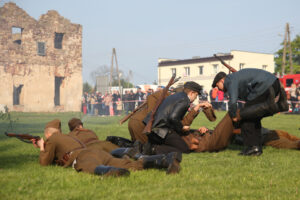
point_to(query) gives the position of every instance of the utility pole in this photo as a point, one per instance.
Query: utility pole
(287, 35)
(114, 57)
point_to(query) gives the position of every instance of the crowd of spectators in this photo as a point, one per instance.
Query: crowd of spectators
(110, 104)
(294, 97)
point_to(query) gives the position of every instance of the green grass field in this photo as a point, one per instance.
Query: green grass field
(224, 175)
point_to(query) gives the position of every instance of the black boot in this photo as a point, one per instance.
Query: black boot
(121, 142)
(148, 149)
(133, 152)
(261, 110)
(103, 170)
(282, 102)
(252, 151)
(171, 161)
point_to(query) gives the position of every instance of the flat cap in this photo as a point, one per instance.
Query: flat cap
(193, 86)
(73, 123)
(217, 78)
(54, 124)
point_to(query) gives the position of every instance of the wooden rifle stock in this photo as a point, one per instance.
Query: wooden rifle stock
(23, 137)
(225, 64)
(148, 127)
(124, 119)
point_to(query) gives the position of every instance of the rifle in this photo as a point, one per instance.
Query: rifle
(148, 127)
(23, 137)
(225, 64)
(124, 119)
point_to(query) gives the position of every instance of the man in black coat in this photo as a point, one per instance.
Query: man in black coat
(263, 96)
(167, 128)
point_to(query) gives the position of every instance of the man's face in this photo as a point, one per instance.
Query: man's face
(220, 84)
(193, 96)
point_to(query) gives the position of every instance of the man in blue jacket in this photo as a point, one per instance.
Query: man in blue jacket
(263, 96)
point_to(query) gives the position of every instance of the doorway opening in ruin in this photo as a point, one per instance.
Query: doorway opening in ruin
(16, 34)
(18, 95)
(58, 40)
(58, 90)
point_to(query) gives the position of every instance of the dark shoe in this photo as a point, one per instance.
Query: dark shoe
(123, 152)
(252, 151)
(110, 171)
(169, 161)
(120, 141)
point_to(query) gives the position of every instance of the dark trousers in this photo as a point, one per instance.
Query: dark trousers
(251, 129)
(171, 143)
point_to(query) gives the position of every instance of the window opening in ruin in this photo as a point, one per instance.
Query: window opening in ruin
(58, 40)
(17, 34)
(41, 49)
(17, 95)
(57, 92)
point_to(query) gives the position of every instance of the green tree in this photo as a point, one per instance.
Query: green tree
(87, 87)
(295, 44)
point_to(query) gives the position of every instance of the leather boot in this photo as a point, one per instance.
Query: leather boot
(133, 152)
(120, 141)
(252, 151)
(260, 110)
(148, 149)
(282, 102)
(103, 170)
(170, 161)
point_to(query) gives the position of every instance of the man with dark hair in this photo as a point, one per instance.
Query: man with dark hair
(167, 127)
(263, 95)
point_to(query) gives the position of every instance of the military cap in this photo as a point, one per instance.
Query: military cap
(193, 86)
(73, 123)
(217, 78)
(54, 124)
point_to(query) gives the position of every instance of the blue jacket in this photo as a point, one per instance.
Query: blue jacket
(246, 85)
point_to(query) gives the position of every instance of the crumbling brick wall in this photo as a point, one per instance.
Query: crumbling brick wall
(41, 63)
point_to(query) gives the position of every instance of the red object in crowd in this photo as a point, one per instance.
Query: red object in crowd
(84, 109)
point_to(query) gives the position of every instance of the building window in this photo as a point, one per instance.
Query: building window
(17, 34)
(264, 67)
(242, 65)
(41, 49)
(200, 70)
(187, 71)
(58, 40)
(173, 70)
(215, 68)
(18, 95)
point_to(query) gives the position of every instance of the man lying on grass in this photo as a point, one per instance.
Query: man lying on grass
(219, 138)
(66, 150)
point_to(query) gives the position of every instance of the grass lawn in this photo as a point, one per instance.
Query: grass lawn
(224, 175)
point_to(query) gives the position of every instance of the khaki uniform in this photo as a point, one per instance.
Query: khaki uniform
(136, 125)
(281, 140)
(90, 139)
(85, 159)
(222, 134)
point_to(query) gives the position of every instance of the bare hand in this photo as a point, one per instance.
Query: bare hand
(235, 119)
(186, 128)
(202, 105)
(202, 129)
(40, 144)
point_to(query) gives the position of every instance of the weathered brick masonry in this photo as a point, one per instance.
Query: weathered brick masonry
(40, 61)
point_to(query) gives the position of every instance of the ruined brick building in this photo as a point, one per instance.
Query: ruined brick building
(40, 61)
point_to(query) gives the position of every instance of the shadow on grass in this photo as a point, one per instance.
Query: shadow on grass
(16, 161)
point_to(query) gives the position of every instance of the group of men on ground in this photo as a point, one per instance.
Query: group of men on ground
(171, 134)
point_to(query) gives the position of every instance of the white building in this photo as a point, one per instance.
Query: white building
(203, 70)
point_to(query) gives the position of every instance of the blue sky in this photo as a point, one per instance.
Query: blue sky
(143, 31)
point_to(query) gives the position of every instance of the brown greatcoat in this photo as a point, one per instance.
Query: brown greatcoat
(90, 139)
(85, 159)
(136, 125)
(222, 134)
